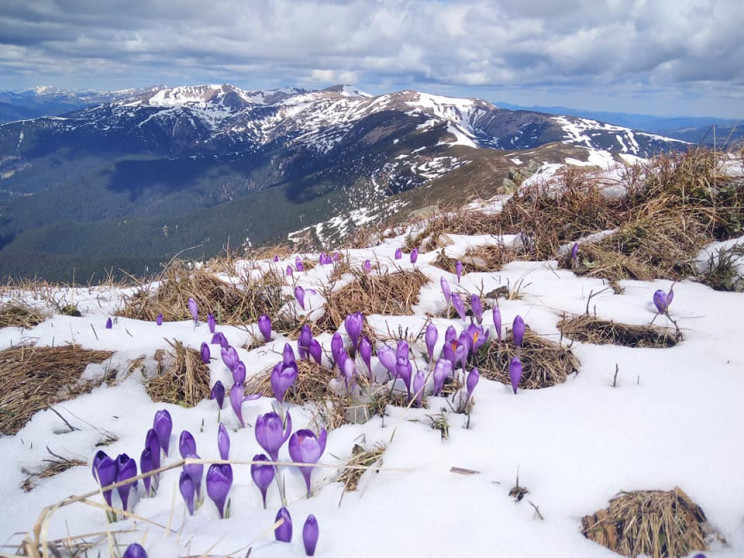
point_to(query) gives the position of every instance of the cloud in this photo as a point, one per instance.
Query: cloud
(672, 47)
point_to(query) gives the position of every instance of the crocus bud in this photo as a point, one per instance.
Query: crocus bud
(188, 491)
(219, 339)
(134, 551)
(459, 306)
(305, 447)
(205, 354)
(262, 475)
(109, 323)
(276, 258)
(414, 255)
(387, 358)
(337, 346)
(289, 271)
(152, 441)
(398, 254)
(159, 319)
(365, 350)
(163, 425)
(445, 289)
(575, 252)
(299, 266)
(237, 395)
(661, 301)
(458, 270)
(238, 373)
(354, 323)
(515, 373)
(264, 326)
(442, 369)
(419, 381)
(367, 266)
(194, 309)
(310, 535)
(303, 342)
(218, 393)
(430, 337)
(105, 472)
(145, 467)
(497, 321)
(316, 351)
(229, 356)
(450, 334)
(211, 322)
(195, 471)
(186, 444)
(271, 433)
(223, 442)
(219, 481)
(299, 293)
(477, 307)
(518, 330)
(282, 378)
(283, 533)
(472, 381)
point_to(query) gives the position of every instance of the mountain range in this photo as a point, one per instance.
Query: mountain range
(127, 179)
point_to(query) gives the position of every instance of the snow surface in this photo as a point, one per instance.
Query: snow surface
(675, 419)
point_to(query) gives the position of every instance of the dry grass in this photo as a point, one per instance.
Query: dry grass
(58, 464)
(35, 378)
(19, 315)
(389, 293)
(183, 379)
(360, 457)
(590, 329)
(459, 221)
(544, 363)
(651, 523)
(480, 259)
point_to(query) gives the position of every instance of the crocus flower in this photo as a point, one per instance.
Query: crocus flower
(430, 337)
(223, 442)
(472, 381)
(238, 373)
(146, 466)
(337, 346)
(367, 266)
(271, 433)
(336, 256)
(105, 472)
(305, 447)
(237, 396)
(282, 378)
(459, 305)
(445, 289)
(262, 475)
(134, 551)
(404, 369)
(518, 330)
(264, 326)
(661, 301)
(365, 350)
(218, 393)
(288, 356)
(497, 321)
(414, 255)
(219, 339)
(477, 307)
(387, 358)
(211, 322)
(316, 351)
(419, 381)
(477, 336)
(575, 252)
(188, 491)
(109, 324)
(289, 271)
(163, 425)
(276, 258)
(299, 266)
(398, 254)
(219, 481)
(152, 441)
(229, 356)
(195, 471)
(515, 373)
(354, 323)
(205, 354)
(303, 342)
(310, 535)
(159, 319)
(299, 293)
(442, 369)
(194, 309)
(458, 270)
(349, 371)
(283, 533)
(186, 444)
(450, 335)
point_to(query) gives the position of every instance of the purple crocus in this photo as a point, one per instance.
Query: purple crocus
(282, 378)
(218, 393)
(398, 253)
(188, 490)
(159, 319)
(354, 323)
(348, 370)
(271, 433)
(223, 442)
(305, 447)
(211, 322)
(446, 291)
(205, 354)
(194, 309)
(477, 336)
(163, 425)
(515, 373)
(365, 350)
(316, 351)
(661, 301)
(414, 255)
(289, 271)
(134, 551)
(219, 481)
(458, 270)
(303, 342)
(105, 471)
(497, 321)
(472, 381)
(367, 266)
(299, 266)
(238, 373)
(450, 335)
(262, 475)
(195, 471)
(430, 337)
(229, 356)
(403, 367)
(219, 339)
(237, 396)
(337, 346)
(283, 533)
(575, 252)
(442, 369)
(477, 307)
(310, 535)
(518, 330)
(299, 293)
(109, 323)
(387, 358)
(459, 306)
(419, 381)
(288, 356)
(264, 326)
(146, 466)
(276, 258)
(186, 444)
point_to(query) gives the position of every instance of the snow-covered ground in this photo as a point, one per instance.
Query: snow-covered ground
(675, 419)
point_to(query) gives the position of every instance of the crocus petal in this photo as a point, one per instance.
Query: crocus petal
(575, 251)
(310, 535)
(238, 373)
(219, 481)
(195, 471)
(194, 309)
(283, 533)
(271, 433)
(316, 351)
(145, 467)
(218, 393)
(337, 346)
(299, 293)
(186, 444)
(163, 425)
(367, 266)
(152, 441)
(229, 356)
(442, 369)
(223, 442)
(186, 487)
(263, 475)
(134, 551)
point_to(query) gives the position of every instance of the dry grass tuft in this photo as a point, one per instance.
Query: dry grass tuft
(58, 464)
(651, 523)
(35, 378)
(360, 457)
(311, 383)
(19, 315)
(232, 304)
(460, 221)
(544, 363)
(183, 379)
(480, 259)
(389, 293)
(589, 329)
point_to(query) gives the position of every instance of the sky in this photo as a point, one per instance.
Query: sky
(664, 57)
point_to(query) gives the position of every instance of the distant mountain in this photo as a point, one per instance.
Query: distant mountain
(692, 129)
(147, 173)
